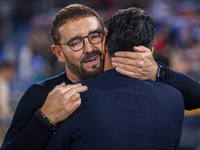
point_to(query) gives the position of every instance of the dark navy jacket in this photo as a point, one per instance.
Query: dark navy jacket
(121, 113)
(27, 133)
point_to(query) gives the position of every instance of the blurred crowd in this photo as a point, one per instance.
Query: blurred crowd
(25, 41)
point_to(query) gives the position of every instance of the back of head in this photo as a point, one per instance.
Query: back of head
(70, 13)
(130, 27)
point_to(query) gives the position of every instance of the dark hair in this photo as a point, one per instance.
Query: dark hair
(70, 12)
(130, 27)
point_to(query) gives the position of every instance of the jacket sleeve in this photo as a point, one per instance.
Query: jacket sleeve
(188, 86)
(26, 131)
(62, 139)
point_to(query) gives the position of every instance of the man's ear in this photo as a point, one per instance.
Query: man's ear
(105, 42)
(105, 32)
(58, 52)
(152, 50)
(104, 46)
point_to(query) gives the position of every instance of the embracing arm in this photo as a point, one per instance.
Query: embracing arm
(27, 131)
(141, 65)
(188, 86)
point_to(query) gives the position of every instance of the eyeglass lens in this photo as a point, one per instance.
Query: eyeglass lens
(94, 38)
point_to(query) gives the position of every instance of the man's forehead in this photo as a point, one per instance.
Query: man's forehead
(80, 26)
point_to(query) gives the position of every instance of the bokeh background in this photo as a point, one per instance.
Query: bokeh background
(25, 42)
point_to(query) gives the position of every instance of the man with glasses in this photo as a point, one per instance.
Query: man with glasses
(88, 67)
(44, 105)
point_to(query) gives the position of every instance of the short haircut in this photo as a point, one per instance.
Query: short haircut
(129, 27)
(70, 12)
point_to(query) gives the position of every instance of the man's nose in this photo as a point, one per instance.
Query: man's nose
(88, 45)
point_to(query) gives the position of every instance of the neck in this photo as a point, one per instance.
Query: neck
(71, 76)
(108, 63)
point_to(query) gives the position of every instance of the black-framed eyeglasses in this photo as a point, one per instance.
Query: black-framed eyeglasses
(77, 43)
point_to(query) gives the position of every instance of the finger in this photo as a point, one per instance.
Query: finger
(125, 54)
(58, 87)
(70, 86)
(75, 90)
(76, 104)
(81, 89)
(74, 97)
(128, 61)
(122, 61)
(132, 55)
(131, 68)
(141, 49)
(128, 73)
(70, 108)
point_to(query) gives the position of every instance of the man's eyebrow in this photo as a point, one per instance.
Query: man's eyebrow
(75, 37)
(97, 29)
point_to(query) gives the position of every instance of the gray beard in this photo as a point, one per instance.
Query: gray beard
(82, 73)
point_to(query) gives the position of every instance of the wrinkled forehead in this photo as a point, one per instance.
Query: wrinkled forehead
(79, 27)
